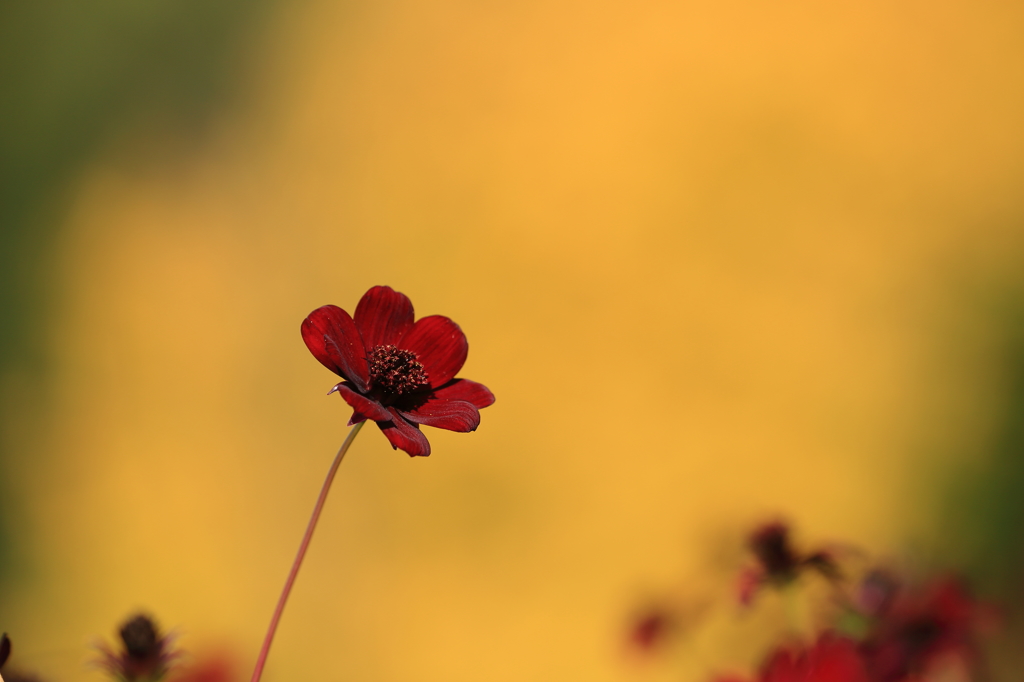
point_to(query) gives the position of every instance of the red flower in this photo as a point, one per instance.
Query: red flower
(398, 373)
(831, 659)
(923, 627)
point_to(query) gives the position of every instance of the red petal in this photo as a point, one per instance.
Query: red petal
(464, 389)
(404, 435)
(364, 407)
(383, 317)
(331, 336)
(439, 345)
(836, 659)
(831, 659)
(454, 415)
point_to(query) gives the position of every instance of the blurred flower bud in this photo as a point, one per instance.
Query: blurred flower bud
(145, 655)
(876, 593)
(651, 629)
(778, 562)
(770, 546)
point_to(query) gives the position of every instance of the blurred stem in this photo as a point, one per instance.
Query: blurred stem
(791, 603)
(275, 619)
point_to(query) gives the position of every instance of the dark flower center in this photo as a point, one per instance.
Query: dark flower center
(395, 371)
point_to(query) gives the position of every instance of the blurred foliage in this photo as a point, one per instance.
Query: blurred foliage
(984, 514)
(72, 74)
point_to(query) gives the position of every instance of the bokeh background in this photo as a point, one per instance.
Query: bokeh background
(720, 261)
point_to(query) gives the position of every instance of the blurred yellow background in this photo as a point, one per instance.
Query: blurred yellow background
(715, 259)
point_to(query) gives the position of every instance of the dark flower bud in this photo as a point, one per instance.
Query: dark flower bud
(140, 637)
(770, 545)
(146, 653)
(778, 563)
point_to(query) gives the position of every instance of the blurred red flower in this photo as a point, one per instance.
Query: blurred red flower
(831, 659)
(210, 669)
(397, 372)
(923, 627)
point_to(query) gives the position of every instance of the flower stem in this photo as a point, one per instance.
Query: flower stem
(265, 649)
(791, 603)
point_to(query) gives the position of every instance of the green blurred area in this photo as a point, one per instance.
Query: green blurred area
(71, 75)
(982, 510)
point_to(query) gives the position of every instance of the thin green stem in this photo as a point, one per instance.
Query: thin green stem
(276, 618)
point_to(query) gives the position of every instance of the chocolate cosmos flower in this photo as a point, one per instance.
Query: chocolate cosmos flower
(398, 373)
